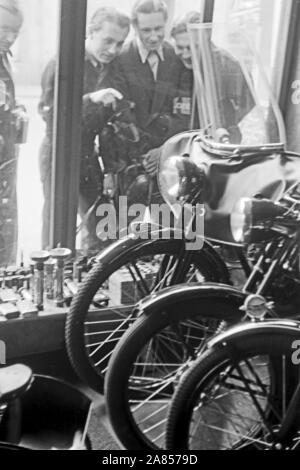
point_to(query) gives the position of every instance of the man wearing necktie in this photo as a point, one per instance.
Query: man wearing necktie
(148, 74)
(106, 34)
(148, 68)
(10, 117)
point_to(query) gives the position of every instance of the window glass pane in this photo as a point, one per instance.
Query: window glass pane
(35, 44)
(181, 8)
(261, 20)
(157, 80)
(249, 31)
(233, 95)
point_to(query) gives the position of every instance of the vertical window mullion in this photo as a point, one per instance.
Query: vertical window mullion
(67, 123)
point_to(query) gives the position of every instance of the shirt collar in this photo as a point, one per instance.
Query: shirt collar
(94, 62)
(144, 52)
(6, 53)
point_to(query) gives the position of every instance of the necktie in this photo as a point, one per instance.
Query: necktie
(102, 72)
(99, 67)
(153, 61)
(6, 63)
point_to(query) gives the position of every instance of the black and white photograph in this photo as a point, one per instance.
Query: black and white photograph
(149, 218)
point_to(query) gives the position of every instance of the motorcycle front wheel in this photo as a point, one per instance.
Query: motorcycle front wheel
(236, 401)
(92, 334)
(148, 362)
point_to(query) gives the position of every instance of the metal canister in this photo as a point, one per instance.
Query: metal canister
(50, 278)
(30, 278)
(60, 255)
(9, 277)
(40, 257)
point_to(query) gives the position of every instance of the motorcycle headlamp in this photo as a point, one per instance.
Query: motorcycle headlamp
(254, 220)
(181, 180)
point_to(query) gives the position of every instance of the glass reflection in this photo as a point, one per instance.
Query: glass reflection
(35, 46)
(12, 119)
(33, 50)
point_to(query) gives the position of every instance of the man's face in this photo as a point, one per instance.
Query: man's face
(106, 43)
(151, 29)
(183, 49)
(9, 29)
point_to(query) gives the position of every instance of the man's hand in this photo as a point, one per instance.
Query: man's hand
(151, 161)
(20, 115)
(45, 112)
(107, 97)
(21, 124)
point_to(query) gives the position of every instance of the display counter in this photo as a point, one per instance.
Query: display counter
(40, 334)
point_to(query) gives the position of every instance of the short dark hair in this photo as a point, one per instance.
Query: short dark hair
(107, 14)
(12, 7)
(181, 25)
(148, 6)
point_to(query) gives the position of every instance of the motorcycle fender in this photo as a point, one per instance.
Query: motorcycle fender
(133, 242)
(205, 298)
(239, 332)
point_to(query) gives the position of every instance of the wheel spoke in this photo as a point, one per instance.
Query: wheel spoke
(111, 335)
(154, 376)
(102, 334)
(235, 407)
(140, 283)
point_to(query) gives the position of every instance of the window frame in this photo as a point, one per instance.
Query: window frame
(67, 119)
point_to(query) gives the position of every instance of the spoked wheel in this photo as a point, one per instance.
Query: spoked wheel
(236, 403)
(92, 333)
(147, 364)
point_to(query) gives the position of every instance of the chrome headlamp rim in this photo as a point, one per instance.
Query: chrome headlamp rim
(260, 219)
(180, 180)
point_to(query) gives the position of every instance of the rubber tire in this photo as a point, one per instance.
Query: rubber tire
(74, 328)
(128, 348)
(180, 412)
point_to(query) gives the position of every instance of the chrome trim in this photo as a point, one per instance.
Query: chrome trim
(199, 290)
(251, 327)
(233, 150)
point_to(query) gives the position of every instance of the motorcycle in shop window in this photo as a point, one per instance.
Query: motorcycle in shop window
(238, 152)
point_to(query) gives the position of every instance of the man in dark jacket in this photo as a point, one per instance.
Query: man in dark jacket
(236, 100)
(148, 67)
(10, 125)
(182, 99)
(107, 32)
